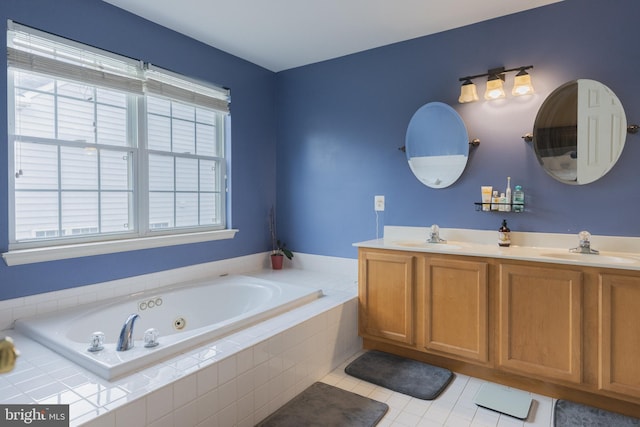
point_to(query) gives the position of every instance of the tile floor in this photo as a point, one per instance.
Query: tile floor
(453, 408)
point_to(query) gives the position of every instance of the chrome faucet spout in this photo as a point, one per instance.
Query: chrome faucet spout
(125, 341)
(584, 245)
(434, 235)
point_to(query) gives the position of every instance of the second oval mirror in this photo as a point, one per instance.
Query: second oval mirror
(579, 132)
(437, 145)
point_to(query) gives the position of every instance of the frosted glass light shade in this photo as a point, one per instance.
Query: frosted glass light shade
(495, 90)
(522, 84)
(468, 93)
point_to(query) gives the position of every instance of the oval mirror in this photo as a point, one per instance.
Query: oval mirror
(579, 132)
(437, 145)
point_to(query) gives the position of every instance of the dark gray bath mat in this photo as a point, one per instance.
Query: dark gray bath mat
(569, 414)
(323, 405)
(396, 373)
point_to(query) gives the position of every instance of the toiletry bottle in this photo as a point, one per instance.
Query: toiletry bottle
(503, 203)
(507, 193)
(504, 234)
(518, 199)
(486, 197)
(495, 201)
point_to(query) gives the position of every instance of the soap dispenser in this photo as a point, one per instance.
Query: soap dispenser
(504, 235)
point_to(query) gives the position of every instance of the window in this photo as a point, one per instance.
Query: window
(104, 148)
(73, 160)
(184, 176)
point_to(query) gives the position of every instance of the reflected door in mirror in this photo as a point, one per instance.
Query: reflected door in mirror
(602, 128)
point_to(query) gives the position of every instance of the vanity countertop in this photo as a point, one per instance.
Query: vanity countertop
(615, 252)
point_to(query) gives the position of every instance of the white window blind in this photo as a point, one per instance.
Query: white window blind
(104, 147)
(165, 83)
(32, 50)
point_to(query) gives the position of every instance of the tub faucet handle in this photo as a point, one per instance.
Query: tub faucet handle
(151, 337)
(96, 341)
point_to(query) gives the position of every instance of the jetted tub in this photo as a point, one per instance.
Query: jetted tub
(184, 316)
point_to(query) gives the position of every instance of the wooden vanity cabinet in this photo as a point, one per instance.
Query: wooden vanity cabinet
(436, 304)
(567, 331)
(386, 296)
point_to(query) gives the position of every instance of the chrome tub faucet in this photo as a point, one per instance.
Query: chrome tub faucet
(125, 341)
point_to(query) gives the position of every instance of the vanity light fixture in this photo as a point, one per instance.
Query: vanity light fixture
(522, 83)
(495, 86)
(468, 92)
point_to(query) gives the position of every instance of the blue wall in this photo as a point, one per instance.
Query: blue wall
(253, 126)
(338, 125)
(341, 123)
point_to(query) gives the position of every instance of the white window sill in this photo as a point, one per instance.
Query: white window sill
(53, 253)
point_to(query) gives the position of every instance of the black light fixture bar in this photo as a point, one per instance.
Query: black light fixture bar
(495, 72)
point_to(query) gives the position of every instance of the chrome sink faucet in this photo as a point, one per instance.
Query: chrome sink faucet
(125, 341)
(584, 246)
(434, 235)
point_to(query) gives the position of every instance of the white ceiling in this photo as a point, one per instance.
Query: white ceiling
(283, 34)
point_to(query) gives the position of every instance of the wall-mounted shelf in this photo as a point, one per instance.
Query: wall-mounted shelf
(512, 205)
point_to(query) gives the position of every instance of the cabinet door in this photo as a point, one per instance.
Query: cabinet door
(456, 308)
(619, 303)
(386, 296)
(540, 328)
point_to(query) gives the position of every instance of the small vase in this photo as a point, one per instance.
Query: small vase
(276, 261)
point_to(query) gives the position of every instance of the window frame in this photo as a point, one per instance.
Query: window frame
(141, 236)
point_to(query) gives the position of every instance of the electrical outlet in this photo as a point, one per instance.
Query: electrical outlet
(378, 203)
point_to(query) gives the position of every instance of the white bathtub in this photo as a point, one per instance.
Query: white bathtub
(205, 310)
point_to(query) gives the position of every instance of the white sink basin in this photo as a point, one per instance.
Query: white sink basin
(419, 244)
(591, 258)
